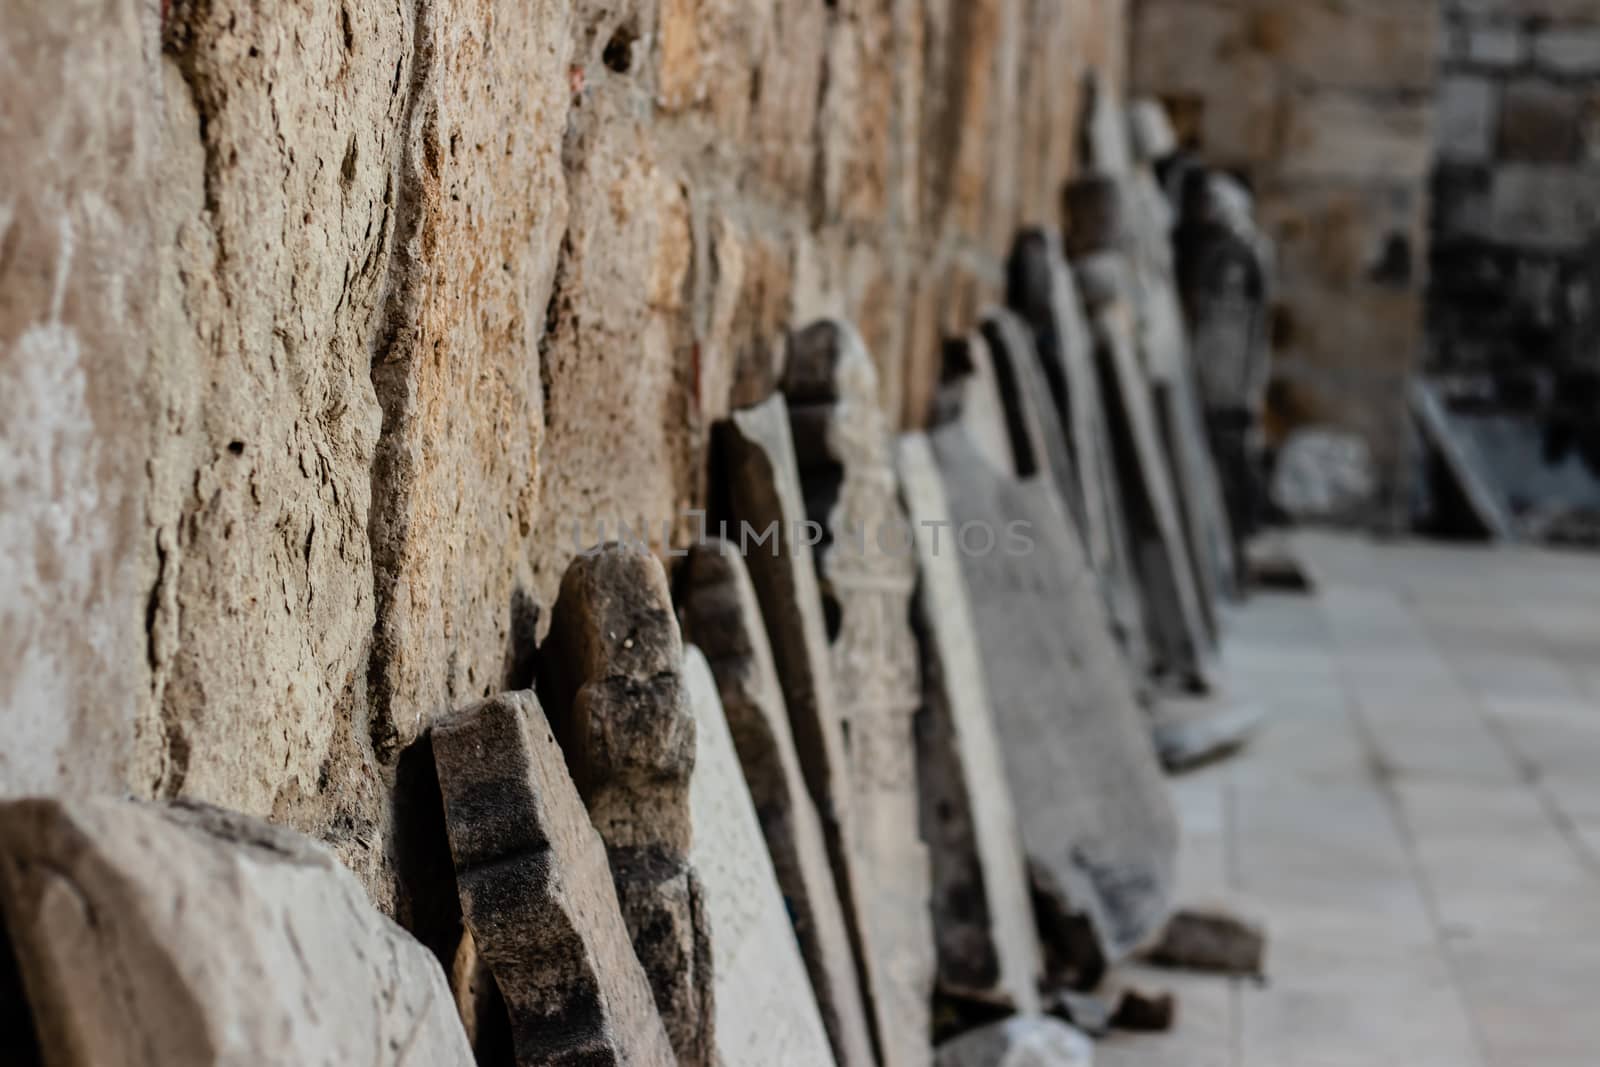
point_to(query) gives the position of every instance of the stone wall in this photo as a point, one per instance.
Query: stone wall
(322, 325)
(1325, 108)
(1516, 222)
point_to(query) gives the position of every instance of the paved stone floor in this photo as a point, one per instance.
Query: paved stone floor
(1418, 826)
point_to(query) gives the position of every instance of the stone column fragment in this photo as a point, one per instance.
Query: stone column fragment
(983, 917)
(866, 573)
(722, 616)
(152, 936)
(537, 893)
(766, 1012)
(611, 671)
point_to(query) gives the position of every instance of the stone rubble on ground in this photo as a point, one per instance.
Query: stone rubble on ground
(1324, 474)
(1212, 940)
(150, 935)
(611, 675)
(1021, 1041)
(537, 892)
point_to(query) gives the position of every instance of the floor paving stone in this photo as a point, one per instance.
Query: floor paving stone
(1418, 827)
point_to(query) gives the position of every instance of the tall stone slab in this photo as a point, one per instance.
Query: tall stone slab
(537, 893)
(150, 935)
(1170, 361)
(1096, 820)
(867, 572)
(1182, 642)
(765, 1010)
(763, 484)
(1040, 287)
(723, 618)
(982, 912)
(611, 670)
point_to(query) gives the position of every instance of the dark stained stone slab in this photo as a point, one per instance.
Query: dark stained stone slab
(763, 482)
(1182, 643)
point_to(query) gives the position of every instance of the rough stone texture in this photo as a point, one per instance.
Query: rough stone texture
(1096, 821)
(611, 670)
(765, 1010)
(983, 918)
(763, 479)
(866, 573)
(537, 894)
(1022, 1041)
(1215, 941)
(722, 617)
(150, 935)
(320, 327)
(1316, 102)
(1466, 119)
(1514, 301)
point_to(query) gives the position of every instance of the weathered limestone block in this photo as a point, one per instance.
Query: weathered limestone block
(722, 617)
(482, 206)
(1181, 641)
(623, 437)
(983, 916)
(763, 479)
(79, 564)
(1097, 823)
(537, 893)
(866, 571)
(277, 247)
(765, 1010)
(1021, 1041)
(612, 670)
(1042, 290)
(1339, 136)
(154, 936)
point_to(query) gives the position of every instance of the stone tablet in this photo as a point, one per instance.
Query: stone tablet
(983, 916)
(1097, 823)
(1164, 340)
(867, 572)
(1041, 289)
(154, 936)
(611, 672)
(1181, 642)
(537, 893)
(765, 1011)
(763, 483)
(722, 617)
